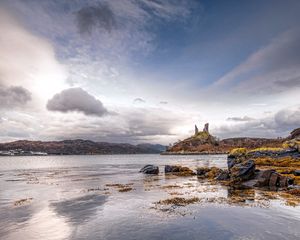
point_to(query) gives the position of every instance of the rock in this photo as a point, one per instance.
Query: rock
(236, 155)
(179, 170)
(274, 180)
(231, 161)
(201, 171)
(150, 169)
(171, 168)
(224, 175)
(210, 173)
(296, 172)
(243, 171)
(263, 178)
(295, 133)
(283, 181)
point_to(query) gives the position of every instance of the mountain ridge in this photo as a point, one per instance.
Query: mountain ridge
(80, 147)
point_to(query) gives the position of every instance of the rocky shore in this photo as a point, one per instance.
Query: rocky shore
(265, 168)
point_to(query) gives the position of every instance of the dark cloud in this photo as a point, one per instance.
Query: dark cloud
(240, 119)
(139, 100)
(76, 99)
(100, 16)
(13, 96)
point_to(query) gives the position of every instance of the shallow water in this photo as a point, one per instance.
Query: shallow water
(74, 197)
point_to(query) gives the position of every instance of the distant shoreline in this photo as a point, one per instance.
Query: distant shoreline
(193, 153)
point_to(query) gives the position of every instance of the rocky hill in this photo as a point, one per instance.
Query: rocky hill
(80, 147)
(202, 142)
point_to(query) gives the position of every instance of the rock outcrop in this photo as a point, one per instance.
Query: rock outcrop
(269, 167)
(202, 142)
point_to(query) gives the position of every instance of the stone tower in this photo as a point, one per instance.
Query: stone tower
(205, 129)
(196, 130)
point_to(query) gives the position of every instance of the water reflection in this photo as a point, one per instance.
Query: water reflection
(80, 209)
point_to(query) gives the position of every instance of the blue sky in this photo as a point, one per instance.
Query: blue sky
(147, 71)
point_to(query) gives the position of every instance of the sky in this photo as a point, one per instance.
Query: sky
(139, 71)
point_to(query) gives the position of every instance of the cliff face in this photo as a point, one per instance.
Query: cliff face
(70, 147)
(203, 142)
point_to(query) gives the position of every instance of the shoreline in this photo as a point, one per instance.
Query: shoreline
(193, 153)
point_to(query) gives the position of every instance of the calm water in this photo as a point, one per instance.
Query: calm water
(71, 197)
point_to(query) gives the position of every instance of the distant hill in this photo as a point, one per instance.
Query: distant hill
(202, 142)
(81, 147)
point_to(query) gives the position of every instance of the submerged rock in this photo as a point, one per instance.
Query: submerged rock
(150, 169)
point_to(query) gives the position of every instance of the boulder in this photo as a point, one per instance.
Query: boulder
(150, 169)
(243, 171)
(272, 179)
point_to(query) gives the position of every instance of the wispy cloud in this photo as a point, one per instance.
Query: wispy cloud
(240, 119)
(138, 100)
(272, 69)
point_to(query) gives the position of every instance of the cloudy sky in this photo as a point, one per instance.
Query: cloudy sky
(147, 70)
